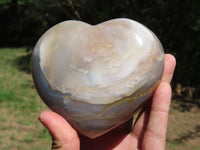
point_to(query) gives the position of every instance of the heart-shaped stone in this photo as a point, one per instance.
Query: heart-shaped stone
(97, 77)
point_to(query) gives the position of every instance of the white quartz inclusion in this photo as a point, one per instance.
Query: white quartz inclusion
(99, 64)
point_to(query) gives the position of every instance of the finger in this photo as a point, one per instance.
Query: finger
(155, 133)
(170, 63)
(140, 124)
(63, 135)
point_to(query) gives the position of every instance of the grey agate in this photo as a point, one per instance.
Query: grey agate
(97, 77)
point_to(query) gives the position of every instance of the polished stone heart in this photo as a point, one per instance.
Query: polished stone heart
(97, 77)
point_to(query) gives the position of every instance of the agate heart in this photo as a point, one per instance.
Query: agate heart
(97, 77)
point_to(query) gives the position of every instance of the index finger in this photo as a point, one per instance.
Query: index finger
(170, 63)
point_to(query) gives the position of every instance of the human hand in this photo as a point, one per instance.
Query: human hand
(148, 132)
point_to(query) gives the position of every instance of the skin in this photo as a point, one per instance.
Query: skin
(147, 133)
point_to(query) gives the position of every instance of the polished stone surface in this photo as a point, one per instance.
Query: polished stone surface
(98, 76)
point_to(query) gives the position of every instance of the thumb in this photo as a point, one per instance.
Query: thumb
(64, 137)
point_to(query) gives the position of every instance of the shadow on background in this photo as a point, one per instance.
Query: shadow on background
(186, 97)
(189, 135)
(185, 137)
(185, 104)
(23, 62)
